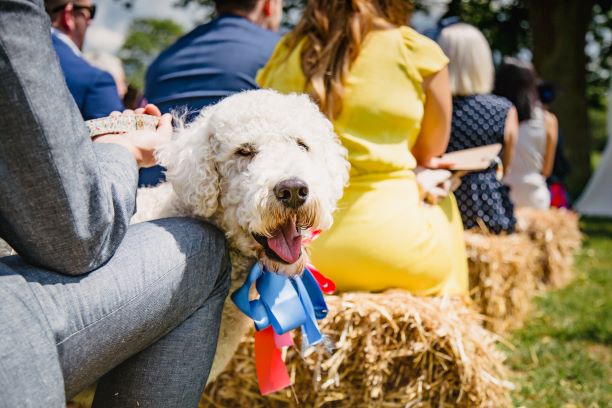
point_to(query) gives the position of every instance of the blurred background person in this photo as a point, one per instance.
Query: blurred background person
(479, 119)
(93, 89)
(111, 64)
(134, 98)
(213, 61)
(559, 196)
(535, 148)
(131, 97)
(385, 88)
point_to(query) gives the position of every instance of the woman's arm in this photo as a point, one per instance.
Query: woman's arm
(552, 132)
(435, 127)
(510, 137)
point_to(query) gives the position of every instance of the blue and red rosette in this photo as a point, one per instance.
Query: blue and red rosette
(284, 304)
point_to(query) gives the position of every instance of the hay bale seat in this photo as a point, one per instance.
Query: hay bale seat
(507, 271)
(391, 349)
(557, 235)
(503, 272)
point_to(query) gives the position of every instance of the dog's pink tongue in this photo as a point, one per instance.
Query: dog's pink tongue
(287, 242)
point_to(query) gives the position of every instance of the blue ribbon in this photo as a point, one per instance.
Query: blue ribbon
(284, 302)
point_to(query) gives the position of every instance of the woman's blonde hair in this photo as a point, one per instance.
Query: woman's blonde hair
(471, 64)
(334, 31)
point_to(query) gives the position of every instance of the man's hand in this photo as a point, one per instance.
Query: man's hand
(142, 143)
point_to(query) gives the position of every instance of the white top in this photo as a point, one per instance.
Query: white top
(527, 184)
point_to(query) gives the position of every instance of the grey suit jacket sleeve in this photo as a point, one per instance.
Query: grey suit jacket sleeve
(65, 202)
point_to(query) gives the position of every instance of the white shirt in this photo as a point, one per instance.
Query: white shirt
(527, 184)
(66, 40)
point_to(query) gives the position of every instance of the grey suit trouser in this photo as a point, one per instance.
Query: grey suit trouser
(145, 323)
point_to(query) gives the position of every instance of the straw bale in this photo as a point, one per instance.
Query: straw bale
(391, 350)
(557, 235)
(503, 272)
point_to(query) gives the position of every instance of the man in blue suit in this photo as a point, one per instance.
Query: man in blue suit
(214, 60)
(94, 90)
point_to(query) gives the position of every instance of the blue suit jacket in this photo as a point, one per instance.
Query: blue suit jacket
(93, 90)
(209, 63)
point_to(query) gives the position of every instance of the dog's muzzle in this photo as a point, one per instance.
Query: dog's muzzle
(292, 192)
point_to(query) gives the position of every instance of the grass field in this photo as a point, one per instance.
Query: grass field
(563, 356)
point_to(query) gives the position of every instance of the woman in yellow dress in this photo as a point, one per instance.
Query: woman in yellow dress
(385, 88)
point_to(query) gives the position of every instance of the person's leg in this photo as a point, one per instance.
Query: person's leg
(162, 273)
(171, 372)
(30, 373)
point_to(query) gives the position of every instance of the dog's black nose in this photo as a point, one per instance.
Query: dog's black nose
(292, 192)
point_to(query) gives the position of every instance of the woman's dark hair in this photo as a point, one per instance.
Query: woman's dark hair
(516, 80)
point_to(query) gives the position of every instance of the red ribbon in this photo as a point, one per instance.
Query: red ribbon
(271, 370)
(310, 236)
(327, 285)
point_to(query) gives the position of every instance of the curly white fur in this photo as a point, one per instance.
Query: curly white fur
(212, 178)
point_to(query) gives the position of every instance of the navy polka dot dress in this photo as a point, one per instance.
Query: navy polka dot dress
(479, 120)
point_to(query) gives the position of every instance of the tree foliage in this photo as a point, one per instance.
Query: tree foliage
(556, 38)
(599, 66)
(146, 38)
(556, 33)
(504, 24)
(507, 27)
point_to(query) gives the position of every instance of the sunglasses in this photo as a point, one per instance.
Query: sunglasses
(91, 9)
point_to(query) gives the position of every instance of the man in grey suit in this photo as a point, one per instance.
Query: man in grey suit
(89, 297)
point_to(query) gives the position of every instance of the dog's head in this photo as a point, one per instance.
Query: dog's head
(265, 167)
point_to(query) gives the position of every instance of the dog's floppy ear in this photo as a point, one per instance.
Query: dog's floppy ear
(190, 165)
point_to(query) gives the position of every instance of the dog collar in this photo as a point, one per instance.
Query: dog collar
(121, 124)
(284, 303)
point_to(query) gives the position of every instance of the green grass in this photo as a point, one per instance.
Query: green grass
(563, 356)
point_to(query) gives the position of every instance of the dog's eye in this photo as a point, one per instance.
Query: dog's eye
(246, 150)
(303, 145)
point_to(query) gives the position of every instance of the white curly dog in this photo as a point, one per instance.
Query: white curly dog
(264, 168)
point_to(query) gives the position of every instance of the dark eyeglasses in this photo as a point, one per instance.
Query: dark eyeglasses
(91, 9)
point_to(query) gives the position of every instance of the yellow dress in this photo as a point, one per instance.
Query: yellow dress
(383, 237)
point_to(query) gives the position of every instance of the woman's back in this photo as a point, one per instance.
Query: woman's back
(382, 103)
(531, 145)
(479, 120)
(383, 236)
(527, 184)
